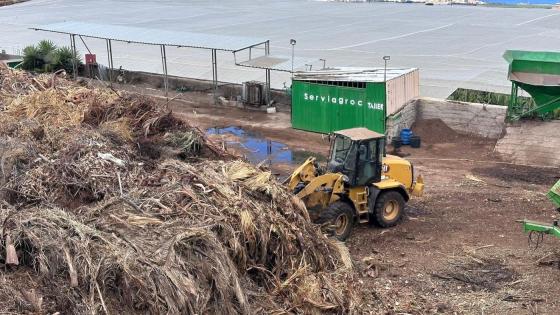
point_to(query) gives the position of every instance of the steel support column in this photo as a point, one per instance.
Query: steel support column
(268, 99)
(74, 56)
(513, 110)
(110, 60)
(215, 73)
(164, 64)
(267, 94)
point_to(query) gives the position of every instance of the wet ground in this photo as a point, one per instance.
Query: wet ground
(258, 149)
(458, 250)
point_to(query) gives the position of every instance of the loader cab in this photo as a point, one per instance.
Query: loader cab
(357, 153)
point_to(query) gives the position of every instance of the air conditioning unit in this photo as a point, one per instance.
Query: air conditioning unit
(253, 93)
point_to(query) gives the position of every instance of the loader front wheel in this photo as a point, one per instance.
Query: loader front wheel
(339, 219)
(389, 209)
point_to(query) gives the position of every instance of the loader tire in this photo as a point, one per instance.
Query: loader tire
(389, 209)
(339, 218)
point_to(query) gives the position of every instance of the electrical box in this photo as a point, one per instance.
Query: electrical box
(253, 93)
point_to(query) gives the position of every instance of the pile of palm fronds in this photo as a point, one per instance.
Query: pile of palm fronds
(112, 205)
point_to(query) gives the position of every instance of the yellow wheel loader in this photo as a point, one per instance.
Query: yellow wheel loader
(360, 183)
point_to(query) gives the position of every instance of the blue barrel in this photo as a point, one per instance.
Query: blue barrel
(405, 136)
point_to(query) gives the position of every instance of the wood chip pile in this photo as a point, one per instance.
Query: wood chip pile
(109, 204)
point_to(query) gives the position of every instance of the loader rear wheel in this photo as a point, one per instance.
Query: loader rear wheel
(389, 209)
(339, 216)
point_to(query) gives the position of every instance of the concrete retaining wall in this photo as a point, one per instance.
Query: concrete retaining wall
(8, 56)
(481, 120)
(526, 142)
(404, 118)
(531, 142)
(228, 90)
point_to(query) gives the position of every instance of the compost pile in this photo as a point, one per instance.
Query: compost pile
(435, 131)
(110, 204)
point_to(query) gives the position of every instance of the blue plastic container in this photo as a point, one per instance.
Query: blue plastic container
(405, 136)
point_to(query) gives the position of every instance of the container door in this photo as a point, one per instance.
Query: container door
(308, 111)
(374, 108)
(347, 105)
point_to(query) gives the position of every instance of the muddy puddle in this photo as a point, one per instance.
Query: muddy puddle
(258, 149)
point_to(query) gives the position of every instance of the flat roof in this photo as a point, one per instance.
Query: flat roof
(150, 36)
(278, 63)
(352, 74)
(359, 133)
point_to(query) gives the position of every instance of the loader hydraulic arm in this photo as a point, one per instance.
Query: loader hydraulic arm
(322, 190)
(303, 174)
(312, 187)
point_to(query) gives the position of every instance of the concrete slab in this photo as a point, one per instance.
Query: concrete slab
(454, 46)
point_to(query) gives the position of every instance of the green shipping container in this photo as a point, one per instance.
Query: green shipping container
(335, 99)
(327, 108)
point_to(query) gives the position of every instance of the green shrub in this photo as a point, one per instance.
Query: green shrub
(484, 97)
(47, 57)
(64, 57)
(31, 58)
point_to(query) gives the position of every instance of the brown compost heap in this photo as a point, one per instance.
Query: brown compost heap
(110, 204)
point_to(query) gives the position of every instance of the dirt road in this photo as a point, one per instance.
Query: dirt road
(459, 249)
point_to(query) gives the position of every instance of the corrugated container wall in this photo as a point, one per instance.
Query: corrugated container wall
(402, 89)
(324, 106)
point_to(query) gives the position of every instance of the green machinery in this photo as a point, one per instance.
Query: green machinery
(538, 73)
(544, 228)
(11, 61)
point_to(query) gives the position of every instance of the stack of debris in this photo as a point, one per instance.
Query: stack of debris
(109, 204)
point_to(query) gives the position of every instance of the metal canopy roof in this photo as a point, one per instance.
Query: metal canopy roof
(152, 36)
(277, 63)
(351, 74)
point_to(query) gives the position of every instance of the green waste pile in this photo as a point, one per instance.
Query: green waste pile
(110, 204)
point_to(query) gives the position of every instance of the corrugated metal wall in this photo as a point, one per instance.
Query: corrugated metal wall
(326, 108)
(402, 89)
